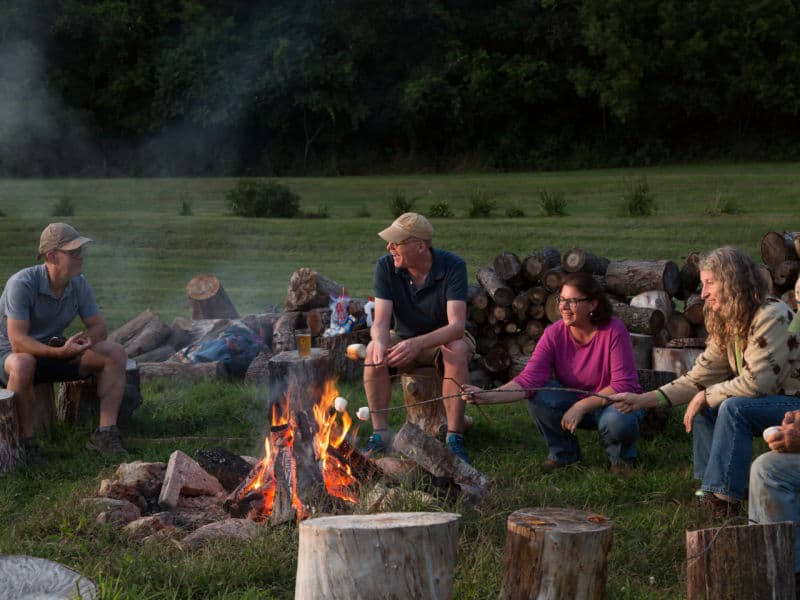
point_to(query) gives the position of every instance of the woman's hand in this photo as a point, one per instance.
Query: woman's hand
(696, 406)
(573, 417)
(626, 402)
(471, 394)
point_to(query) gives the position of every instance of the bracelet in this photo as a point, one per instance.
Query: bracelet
(663, 400)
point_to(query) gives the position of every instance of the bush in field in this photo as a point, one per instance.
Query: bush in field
(514, 213)
(262, 199)
(186, 209)
(481, 204)
(322, 212)
(637, 200)
(400, 204)
(2, 214)
(723, 206)
(63, 208)
(553, 203)
(441, 209)
(362, 212)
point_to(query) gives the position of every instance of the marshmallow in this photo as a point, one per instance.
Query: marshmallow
(356, 351)
(363, 413)
(340, 404)
(770, 431)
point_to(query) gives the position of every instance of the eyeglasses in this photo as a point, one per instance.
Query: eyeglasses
(570, 302)
(77, 253)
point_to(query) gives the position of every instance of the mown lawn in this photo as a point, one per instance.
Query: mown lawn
(146, 253)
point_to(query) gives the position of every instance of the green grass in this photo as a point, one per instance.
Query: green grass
(146, 252)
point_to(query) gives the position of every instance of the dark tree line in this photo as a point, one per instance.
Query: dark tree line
(343, 86)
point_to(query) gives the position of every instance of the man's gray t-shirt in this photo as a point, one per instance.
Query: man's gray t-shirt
(420, 311)
(28, 297)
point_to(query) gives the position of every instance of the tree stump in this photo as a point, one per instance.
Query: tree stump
(406, 555)
(655, 299)
(11, 454)
(677, 360)
(745, 561)
(208, 300)
(32, 577)
(77, 401)
(507, 266)
(336, 345)
(631, 277)
(693, 310)
(43, 412)
(556, 553)
(420, 385)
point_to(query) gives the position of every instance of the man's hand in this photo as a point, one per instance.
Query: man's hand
(403, 352)
(696, 406)
(76, 345)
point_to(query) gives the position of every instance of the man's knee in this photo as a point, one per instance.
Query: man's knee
(456, 353)
(21, 367)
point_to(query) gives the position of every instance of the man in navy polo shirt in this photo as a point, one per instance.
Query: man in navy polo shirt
(424, 291)
(37, 305)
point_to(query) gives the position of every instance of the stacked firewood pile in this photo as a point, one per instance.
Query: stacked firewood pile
(657, 300)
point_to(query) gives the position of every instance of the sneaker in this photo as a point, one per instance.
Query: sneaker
(32, 455)
(375, 445)
(455, 442)
(106, 441)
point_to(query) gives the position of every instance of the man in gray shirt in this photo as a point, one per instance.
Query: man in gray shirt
(37, 305)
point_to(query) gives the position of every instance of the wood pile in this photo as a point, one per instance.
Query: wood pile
(659, 302)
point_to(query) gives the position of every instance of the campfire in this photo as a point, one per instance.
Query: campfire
(303, 457)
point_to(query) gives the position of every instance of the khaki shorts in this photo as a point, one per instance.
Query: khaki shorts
(430, 356)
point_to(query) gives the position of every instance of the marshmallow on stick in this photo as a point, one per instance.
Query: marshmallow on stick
(340, 404)
(363, 413)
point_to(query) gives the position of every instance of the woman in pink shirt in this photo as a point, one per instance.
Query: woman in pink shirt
(590, 350)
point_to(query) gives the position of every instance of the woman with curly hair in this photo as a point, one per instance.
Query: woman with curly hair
(746, 380)
(588, 350)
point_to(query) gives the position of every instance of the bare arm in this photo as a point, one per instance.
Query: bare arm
(96, 328)
(407, 350)
(506, 393)
(23, 343)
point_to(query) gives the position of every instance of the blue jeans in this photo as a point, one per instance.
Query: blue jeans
(775, 493)
(619, 431)
(723, 440)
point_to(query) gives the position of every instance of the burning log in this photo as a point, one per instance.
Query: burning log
(417, 445)
(230, 469)
(308, 289)
(631, 277)
(208, 300)
(418, 386)
(11, 453)
(406, 555)
(556, 553)
(745, 561)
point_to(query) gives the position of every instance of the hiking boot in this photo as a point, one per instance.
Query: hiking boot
(106, 441)
(716, 506)
(455, 443)
(32, 455)
(375, 445)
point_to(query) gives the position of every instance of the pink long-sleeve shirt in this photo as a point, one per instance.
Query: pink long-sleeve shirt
(607, 360)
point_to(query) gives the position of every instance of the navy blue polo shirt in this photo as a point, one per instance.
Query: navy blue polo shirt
(420, 311)
(28, 297)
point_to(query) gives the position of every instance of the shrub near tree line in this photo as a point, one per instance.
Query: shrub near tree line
(262, 199)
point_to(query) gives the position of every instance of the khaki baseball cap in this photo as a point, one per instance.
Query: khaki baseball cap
(60, 236)
(408, 225)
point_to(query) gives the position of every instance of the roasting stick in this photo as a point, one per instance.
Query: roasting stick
(533, 389)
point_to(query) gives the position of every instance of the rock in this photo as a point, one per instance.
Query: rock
(185, 476)
(147, 526)
(112, 488)
(111, 510)
(145, 477)
(242, 529)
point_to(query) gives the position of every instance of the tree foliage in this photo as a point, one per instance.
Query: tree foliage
(315, 86)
